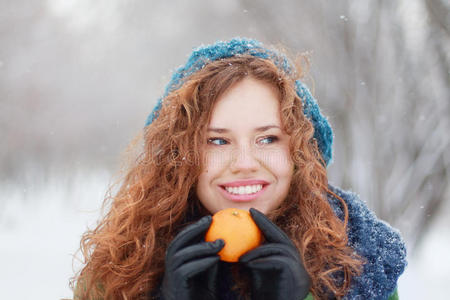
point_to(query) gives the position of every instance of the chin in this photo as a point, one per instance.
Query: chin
(248, 205)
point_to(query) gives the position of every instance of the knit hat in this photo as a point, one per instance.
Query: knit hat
(239, 46)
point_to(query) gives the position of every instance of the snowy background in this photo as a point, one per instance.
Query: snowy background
(78, 78)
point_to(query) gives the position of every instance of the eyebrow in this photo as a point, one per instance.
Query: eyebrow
(257, 129)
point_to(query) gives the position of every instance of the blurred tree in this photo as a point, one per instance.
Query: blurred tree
(77, 79)
(383, 78)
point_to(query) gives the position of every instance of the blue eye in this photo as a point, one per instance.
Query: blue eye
(269, 140)
(216, 141)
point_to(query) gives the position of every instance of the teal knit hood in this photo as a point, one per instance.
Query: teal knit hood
(239, 46)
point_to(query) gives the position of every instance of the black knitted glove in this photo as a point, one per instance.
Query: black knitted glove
(275, 268)
(191, 264)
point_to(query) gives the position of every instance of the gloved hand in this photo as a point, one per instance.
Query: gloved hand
(191, 264)
(275, 268)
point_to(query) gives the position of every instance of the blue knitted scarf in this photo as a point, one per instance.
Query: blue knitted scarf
(376, 241)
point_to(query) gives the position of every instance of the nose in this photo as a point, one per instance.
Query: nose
(244, 160)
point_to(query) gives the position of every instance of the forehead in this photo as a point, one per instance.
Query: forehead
(248, 104)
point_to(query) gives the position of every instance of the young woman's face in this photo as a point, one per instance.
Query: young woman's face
(246, 157)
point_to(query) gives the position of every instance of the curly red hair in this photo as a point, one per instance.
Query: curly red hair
(124, 254)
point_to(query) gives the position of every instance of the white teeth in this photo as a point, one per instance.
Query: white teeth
(244, 190)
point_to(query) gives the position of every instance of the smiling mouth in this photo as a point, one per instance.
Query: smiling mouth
(244, 190)
(244, 193)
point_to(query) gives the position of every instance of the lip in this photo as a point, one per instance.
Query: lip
(244, 182)
(243, 198)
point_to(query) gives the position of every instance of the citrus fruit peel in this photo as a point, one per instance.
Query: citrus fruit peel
(237, 228)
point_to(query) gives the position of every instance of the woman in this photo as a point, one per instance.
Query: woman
(236, 128)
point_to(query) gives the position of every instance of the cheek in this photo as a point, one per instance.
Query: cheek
(214, 160)
(279, 162)
(212, 164)
(200, 186)
(205, 192)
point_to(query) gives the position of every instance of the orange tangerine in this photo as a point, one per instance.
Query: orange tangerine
(237, 228)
